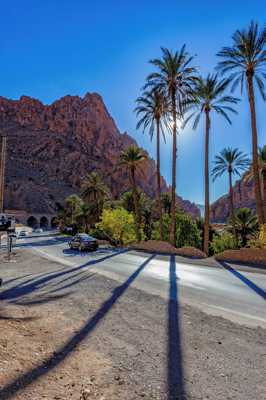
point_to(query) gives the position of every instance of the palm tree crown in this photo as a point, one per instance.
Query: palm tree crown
(132, 157)
(230, 160)
(209, 95)
(152, 107)
(247, 56)
(93, 187)
(175, 76)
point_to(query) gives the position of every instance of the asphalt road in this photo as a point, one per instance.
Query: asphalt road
(221, 290)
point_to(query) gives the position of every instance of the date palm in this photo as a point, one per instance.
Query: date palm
(233, 162)
(152, 108)
(245, 62)
(132, 158)
(174, 77)
(209, 98)
(95, 192)
(246, 223)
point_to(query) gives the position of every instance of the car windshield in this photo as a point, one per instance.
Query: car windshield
(86, 237)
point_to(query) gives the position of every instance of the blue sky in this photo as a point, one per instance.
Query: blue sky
(52, 48)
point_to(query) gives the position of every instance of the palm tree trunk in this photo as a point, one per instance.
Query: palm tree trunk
(232, 209)
(159, 179)
(207, 195)
(173, 203)
(264, 191)
(255, 164)
(136, 204)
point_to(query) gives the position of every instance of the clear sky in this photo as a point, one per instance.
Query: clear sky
(56, 47)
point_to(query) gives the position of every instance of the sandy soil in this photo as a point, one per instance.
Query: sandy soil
(158, 246)
(77, 335)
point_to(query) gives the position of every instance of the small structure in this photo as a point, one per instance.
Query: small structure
(33, 220)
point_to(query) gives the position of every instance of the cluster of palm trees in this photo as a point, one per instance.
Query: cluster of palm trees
(175, 92)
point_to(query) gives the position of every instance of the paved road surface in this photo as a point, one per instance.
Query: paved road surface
(224, 291)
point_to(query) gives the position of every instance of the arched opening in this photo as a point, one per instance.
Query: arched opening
(32, 222)
(54, 223)
(44, 223)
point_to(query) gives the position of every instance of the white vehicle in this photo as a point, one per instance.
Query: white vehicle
(38, 230)
(22, 234)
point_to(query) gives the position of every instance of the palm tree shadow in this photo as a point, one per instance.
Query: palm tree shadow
(22, 381)
(175, 379)
(244, 279)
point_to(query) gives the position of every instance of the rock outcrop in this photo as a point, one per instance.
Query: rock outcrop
(243, 197)
(52, 147)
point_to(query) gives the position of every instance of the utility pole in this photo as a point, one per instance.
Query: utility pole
(2, 173)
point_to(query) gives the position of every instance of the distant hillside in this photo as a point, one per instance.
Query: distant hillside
(51, 148)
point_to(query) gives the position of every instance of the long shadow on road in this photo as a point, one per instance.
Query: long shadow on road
(29, 286)
(22, 381)
(176, 388)
(244, 279)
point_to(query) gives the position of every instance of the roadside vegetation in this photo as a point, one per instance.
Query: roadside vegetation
(175, 95)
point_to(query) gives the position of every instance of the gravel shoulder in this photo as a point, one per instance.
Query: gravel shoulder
(68, 333)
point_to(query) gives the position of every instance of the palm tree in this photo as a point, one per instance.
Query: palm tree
(245, 61)
(209, 96)
(152, 108)
(232, 161)
(246, 224)
(175, 77)
(131, 158)
(166, 202)
(94, 191)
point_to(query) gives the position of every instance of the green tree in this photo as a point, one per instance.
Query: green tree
(245, 61)
(209, 97)
(166, 202)
(95, 192)
(152, 108)
(233, 162)
(174, 77)
(246, 224)
(118, 225)
(69, 214)
(132, 158)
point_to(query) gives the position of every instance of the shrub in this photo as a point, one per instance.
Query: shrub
(187, 232)
(226, 241)
(117, 225)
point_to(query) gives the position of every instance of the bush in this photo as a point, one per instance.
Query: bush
(187, 232)
(117, 225)
(226, 241)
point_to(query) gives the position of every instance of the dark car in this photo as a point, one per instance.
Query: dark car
(82, 241)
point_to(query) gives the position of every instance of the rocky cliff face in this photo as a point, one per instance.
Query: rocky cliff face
(243, 197)
(50, 148)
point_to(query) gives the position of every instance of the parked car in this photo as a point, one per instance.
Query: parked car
(38, 230)
(22, 234)
(82, 241)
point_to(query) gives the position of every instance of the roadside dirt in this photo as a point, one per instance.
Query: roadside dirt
(69, 334)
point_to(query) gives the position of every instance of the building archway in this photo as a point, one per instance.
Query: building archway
(32, 222)
(44, 223)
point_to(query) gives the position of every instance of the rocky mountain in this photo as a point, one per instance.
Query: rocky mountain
(243, 197)
(50, 148)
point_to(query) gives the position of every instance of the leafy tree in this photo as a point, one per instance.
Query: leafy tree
(209, 97)
(69, 214)
(132, 158)
(118, 225)
(174, 77)
(187, 232)
(152, 108)
(245, 61)
(222, 242)
(246, 224)
(95, 192)
(233, 162)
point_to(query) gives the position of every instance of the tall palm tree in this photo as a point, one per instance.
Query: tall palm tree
(131, 158)
(245, 61)
(246, 223)
(209, 97)
(233, 162)
(152, 108)
(94, 191)
(175, 77)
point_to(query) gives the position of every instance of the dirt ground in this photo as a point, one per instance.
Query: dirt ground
(70, 334)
